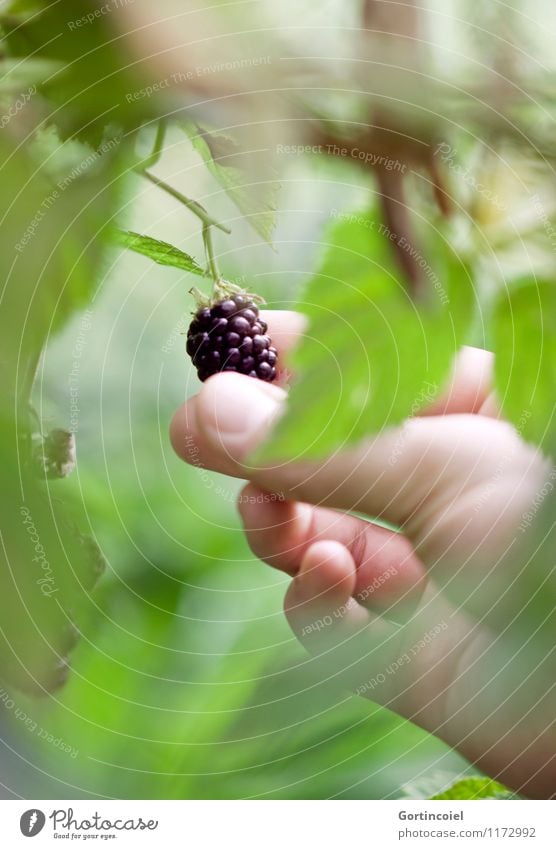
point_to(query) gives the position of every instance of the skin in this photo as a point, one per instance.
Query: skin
(426, 621)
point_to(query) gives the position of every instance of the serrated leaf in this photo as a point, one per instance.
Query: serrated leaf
(524, 335)
(476, 788)
(248, 180)
(160, 252)
(384, 357)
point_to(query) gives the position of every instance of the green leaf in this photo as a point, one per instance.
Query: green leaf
(160, 252)
(383, 356)
(524, 333)
(247, 178)
(18, 74)
(476, 788)
(97, 82)
(49, 265)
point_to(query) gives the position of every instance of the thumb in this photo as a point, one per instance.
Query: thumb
(403, 474)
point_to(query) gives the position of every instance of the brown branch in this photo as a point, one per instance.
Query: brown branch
(398, 221)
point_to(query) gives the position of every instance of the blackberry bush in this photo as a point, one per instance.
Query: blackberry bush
(228, 334)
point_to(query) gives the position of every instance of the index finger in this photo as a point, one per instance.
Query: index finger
(285, 328)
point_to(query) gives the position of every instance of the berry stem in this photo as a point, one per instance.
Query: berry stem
(211, 259)
(192, 205)
(156, 152)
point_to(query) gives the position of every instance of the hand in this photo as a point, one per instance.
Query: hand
(428, 622)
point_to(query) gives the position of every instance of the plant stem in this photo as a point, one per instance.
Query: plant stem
(192, 205)
(211, 259)
(156, 152)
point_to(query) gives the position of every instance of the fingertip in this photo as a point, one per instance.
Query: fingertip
(234, 412)
(284, 326)
(183, 430)
(327, 572)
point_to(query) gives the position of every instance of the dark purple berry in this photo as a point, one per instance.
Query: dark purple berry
(260, 343)
(246, 345)
(233, 357)
(225, 308)
(239, 324)
(233, 340)
(204, 317)
(231, 336)
(219, 325)
(264, 371)
(249, 314)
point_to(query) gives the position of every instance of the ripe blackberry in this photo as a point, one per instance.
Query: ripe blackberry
(229, 335)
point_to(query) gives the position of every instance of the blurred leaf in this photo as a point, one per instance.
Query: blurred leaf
(246, 177)
(16, 74)
(160, 252)
(524, 335)
(476, 788)
(384, 356)
(49, 266)
(96, 82)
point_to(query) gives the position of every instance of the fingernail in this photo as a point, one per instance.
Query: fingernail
(235, 412)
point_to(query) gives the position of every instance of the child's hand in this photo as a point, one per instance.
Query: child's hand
(428, 622)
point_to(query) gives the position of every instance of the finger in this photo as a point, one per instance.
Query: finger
(389, 576)
(402, 475)
(469, 387)
(285, 329)
(344, 639)
(320, 597)
(194, 432)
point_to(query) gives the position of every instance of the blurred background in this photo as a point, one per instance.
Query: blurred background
(187, 682)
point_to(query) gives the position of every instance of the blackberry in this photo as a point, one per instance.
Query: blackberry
(229, 335)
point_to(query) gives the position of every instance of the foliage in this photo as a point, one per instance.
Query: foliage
(476, 788)
(384, 355)
(160, 252)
